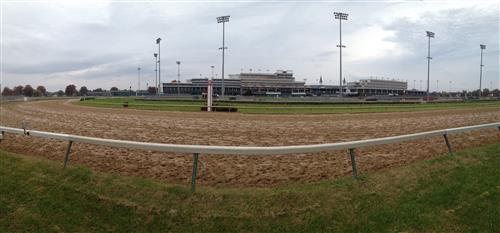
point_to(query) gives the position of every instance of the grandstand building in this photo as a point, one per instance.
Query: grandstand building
(282, 83)
(278, 83)
(366, 87)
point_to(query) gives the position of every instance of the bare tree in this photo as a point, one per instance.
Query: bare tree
(70, 90)
(83, 91)
(28, 91)
(7, 91)
(41, 90)
(18, 90)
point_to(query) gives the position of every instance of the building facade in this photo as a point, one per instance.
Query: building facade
(367, 87)
(282, 83)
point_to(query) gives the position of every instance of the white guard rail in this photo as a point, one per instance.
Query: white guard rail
(245, 150)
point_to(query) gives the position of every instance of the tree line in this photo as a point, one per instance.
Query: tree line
(25, 91)
(70, 90)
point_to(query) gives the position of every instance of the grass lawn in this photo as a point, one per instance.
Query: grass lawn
(281, 108)
(459, 193)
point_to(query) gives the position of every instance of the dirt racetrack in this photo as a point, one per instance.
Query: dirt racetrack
(237, 129)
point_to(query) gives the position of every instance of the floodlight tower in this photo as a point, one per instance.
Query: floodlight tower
(340, 16)
(156, 73)
(223, 20)
(430, 35)
(483, 47)
(178, 77)
(159, 67)
(138, 81)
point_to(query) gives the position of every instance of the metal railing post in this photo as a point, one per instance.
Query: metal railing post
(23, 126)
(353, 163)
(195, 172)
(448, 143)
(68, 154)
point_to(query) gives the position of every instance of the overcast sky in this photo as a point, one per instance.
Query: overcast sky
(101, 44)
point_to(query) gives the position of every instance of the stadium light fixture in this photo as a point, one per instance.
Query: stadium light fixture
(429, 35)
(340, 16)
(223, 20)
(483, 47)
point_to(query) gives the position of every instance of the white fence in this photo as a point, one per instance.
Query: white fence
(243, 150)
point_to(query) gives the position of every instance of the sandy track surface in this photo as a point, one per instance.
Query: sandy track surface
(237, 129)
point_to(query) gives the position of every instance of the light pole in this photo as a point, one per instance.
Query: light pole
(159, 67)
(223, 20)
(156, 73)
(429, 34)
(483, 47)
(212, 71)
(340, 16)
(437, 85)
(138, 80)
(178, 77)
(449, 89)
(420, 88)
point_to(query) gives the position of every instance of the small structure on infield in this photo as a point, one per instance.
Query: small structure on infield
(210, 89)
(210, 106)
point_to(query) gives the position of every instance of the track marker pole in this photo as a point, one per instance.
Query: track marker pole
(67, 156)
(448, 143)
(195, 172)
(353, 163)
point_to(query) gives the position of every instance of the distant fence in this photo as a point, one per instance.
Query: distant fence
(243, 150)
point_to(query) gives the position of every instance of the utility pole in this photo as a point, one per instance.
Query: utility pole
(138, 81)
(156, 73)
(340, 16)
(178, 77)
(159, 67)
(223, 20)
(449, 89)
(429, 34)
(483, 47)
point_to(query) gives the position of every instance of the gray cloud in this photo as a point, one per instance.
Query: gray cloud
(101, 45)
